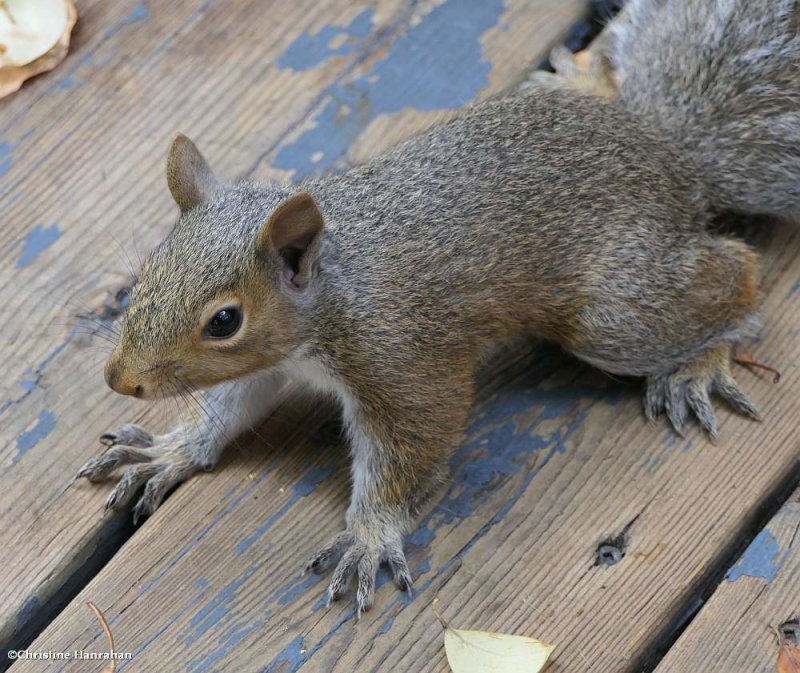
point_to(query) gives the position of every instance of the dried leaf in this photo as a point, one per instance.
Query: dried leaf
(112, 664)
(788, 655)
(746, 359)
(485, 652)
(34, 38)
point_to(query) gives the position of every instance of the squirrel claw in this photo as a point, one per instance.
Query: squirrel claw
(688, 390)
(354, 557)
(329, 554)
(157, 464)
(132, 480)
(130, 435)
(400, 572)
(98, 469)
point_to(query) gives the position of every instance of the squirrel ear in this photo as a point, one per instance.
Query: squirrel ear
(188, 175)
(294, 233)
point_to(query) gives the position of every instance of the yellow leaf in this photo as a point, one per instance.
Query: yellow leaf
(484, 652)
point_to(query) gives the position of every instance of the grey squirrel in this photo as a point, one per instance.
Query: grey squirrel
(385, 285)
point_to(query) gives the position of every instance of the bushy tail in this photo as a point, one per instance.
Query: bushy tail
(722, 77)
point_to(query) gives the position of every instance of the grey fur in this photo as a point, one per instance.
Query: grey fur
(722, 77)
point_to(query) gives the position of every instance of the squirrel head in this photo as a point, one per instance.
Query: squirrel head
(218, 298)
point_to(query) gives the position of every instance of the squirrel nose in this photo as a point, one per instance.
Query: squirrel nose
(118, 382)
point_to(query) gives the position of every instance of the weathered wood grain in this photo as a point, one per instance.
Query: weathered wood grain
(558, 460)
(763, 589)
(267, 89)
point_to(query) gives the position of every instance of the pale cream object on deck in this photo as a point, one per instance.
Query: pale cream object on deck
(34, 38)
(484, 652)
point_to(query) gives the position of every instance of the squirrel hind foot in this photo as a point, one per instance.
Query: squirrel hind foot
(688, 390)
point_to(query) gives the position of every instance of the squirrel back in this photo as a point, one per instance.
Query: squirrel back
(722, 78)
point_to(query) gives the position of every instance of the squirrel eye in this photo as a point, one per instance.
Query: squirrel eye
(225, 323)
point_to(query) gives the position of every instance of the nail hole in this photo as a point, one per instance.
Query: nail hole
(612, 550)
(609, 555)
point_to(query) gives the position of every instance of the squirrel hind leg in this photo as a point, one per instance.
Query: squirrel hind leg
(687, 391)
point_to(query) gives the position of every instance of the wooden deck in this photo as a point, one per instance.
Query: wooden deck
(558, 460)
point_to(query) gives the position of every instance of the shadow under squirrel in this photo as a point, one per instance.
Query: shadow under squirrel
(385, 285)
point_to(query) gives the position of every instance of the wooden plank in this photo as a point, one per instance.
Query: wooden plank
(268, 90)
(731, 631)
(558, 460)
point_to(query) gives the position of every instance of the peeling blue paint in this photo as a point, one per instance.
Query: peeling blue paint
(138, 13)
(37, 240)
(762, 559)
(498, 449)
(5, 158)
(27, 439)
(219, 609)
(670, 442)
(795, 288)
(305, 486)
(436, 64)
(217, 612)
(202, 584)
(294, 654)
(297, 586)
(218, 518)
(30, 380)
(70, 80)
(37, 371)
(227, 642)
(308, 50)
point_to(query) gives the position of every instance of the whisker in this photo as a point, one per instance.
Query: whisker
(123, 254)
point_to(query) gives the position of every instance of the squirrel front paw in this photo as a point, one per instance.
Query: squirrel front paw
(689, 388)
(360, 550)
(157, 462)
